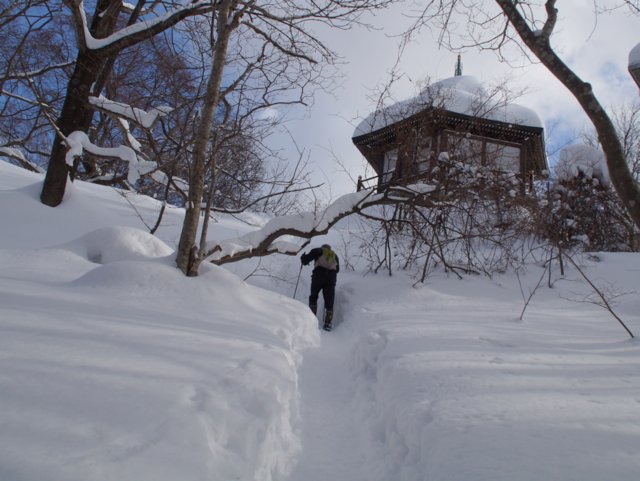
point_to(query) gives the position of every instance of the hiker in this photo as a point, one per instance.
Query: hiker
(325, 270)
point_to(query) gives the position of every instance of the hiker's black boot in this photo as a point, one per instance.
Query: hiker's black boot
(314, 309)
(328, 318)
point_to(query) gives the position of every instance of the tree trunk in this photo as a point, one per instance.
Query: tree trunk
(76, 115)
(188, 259)
(76, 112)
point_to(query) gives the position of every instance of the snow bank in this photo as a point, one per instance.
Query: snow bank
(450, 386)
(125, 369)
(112, 244)
(116, 366)
(583, 160)
(132, 371)
(463, 94)
(95, 206)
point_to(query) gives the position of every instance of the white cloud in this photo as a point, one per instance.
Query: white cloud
(269, 113)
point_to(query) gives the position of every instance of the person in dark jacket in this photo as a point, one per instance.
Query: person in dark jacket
(325, 272)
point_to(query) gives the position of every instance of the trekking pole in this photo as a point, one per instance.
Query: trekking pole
(296, 289)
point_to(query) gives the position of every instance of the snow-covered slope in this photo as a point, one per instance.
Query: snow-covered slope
(115, 366)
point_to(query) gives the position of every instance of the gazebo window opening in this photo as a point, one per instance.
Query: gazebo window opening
(464, 148)
(477, 150)
(423, 153)
(505, 157)
(389, 165)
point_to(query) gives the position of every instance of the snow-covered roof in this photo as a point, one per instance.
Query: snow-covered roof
(634, 57)
(461, 94)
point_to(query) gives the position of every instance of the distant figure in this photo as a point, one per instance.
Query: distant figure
(325, 273)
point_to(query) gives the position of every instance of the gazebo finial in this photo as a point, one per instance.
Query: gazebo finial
(458, 67)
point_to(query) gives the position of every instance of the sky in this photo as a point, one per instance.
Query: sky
(596, 47)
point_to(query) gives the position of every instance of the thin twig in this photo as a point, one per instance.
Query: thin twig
(527, 300)
(606, 305)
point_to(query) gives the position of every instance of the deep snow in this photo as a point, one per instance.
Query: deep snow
(115, 366)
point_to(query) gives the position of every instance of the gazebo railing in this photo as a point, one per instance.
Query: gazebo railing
(384, 181)
(375, 182)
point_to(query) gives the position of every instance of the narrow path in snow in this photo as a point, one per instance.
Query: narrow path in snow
(331, 442)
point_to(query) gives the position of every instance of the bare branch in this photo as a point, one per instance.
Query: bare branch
(264, 241)
(605, 302)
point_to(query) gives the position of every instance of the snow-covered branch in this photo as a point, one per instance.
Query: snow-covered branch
(132, 34)
(18, 156)
(78, 142)
(139, 116)
(267, 240)
(123, 114)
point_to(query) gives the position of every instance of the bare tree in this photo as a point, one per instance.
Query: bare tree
(627, 121)
(32, 61)
(228, 18)
(285, 26)
(98, 45)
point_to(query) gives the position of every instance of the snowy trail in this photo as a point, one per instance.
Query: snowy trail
(331, 435)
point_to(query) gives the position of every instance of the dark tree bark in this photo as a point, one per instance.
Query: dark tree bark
(76, 112)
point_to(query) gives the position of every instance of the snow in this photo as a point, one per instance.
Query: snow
(145, 119)
(113, 365)
(79, 141)
(17, 154)
(582, 159)
(93, 43)
(461, 94)
(131, 140)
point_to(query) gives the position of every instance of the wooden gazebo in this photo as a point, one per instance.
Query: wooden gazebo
(406, 142)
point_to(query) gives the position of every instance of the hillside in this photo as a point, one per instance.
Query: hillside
(115, 366)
